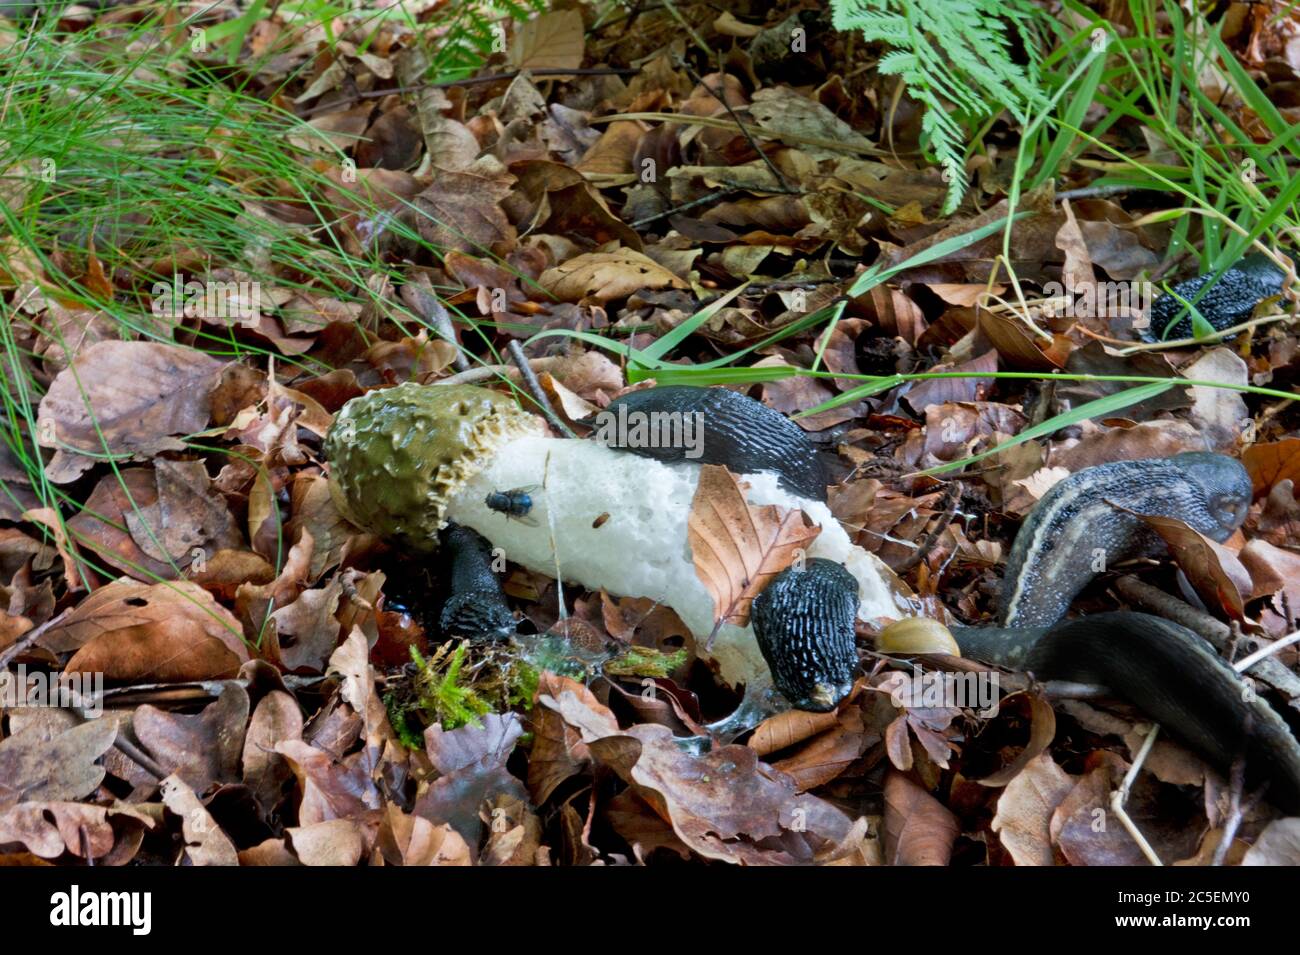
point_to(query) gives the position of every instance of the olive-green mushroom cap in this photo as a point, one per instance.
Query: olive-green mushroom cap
(397, 455)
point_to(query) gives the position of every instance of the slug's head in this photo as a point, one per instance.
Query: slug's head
(804, 621)
(1226, 486)
(398, 455)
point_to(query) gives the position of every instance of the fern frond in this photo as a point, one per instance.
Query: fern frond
(955, 57)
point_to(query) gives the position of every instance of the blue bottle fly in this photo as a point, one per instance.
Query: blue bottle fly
(515, 504)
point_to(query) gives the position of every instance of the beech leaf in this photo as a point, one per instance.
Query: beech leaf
(737, 547)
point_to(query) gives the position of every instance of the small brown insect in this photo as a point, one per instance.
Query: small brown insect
(600, 520)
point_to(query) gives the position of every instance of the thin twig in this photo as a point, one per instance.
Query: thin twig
(1071, 690)
(686, 25)
(1246, 662)
(784, 284)
(1238, 807)
(535, 389)
(953, 495)
(1097, 192)
(1150, 598)
(484, 372)
(1236, 781)
(744, 130)
(79, 707)
(1120, 796)
(1217, 336)
(23, 643)
(1154, 599)
(684, 207)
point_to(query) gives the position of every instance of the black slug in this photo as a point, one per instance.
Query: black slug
(476, 607)
(1167, 671)
(713, 426)
(1177, 680)
(1226, 303)
(804, 621)
(1078, 530)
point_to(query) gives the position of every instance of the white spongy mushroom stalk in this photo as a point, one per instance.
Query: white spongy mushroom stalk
(641, 548)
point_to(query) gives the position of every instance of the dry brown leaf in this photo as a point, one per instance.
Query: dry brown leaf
(331, 788)
(1274, 572)
(1213, 569)
(140, 633)
(1148, 439)
(48, 829)
(727, 25)
(450, 144)
(1025, 809)
(738, 548)
(1219, 414)
(1083, 826)
(606, 276)
(1042, 730)
(641, 827)
(18, 496)
(780, 111)
(462, 208)
(137, 395)
(558, 751)
(514, 833)
(227, 570)
(1166, 760)
(410, 840)
(314, 510)
(1272, 462)
(471, 763)
(615, 152)
(919, 830)
(788, 728)
(1278, 844)
(200, 748)
(554, 40)
(254, 602)
(725, 804)
(37, 764)
(829, 754)
(330, 843)
(305, 632)
(351, 661)
(154, 522)
(205, 843)
(276, 718)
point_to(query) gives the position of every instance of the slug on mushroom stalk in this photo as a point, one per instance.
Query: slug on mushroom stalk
(407, 460)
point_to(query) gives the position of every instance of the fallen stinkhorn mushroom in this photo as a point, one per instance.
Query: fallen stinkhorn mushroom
(406, 460)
